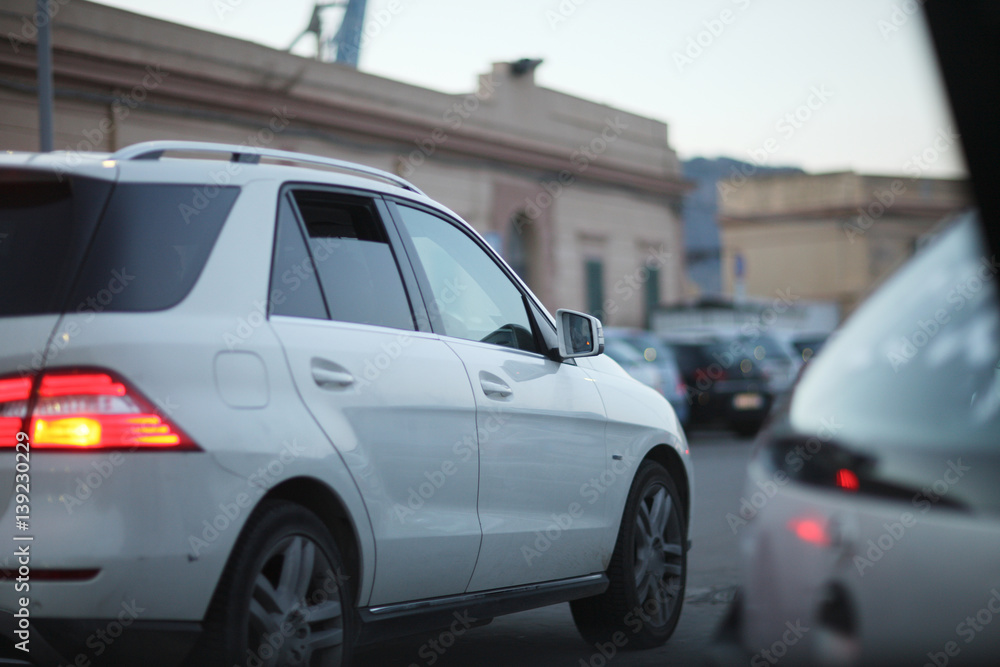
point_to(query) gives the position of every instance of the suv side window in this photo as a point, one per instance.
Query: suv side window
(473, 297)
(294, 287)
(351, 255)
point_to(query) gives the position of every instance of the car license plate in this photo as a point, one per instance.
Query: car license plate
(748, 401)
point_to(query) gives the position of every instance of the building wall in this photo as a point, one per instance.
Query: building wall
(829, 237)
(566, 178)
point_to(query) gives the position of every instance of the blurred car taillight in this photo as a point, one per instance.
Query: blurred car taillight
(84, 410)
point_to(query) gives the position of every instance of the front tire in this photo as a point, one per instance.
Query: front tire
(648, 568)
(283, 600)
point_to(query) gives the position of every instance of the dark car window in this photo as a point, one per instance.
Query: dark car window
(149, 248)
(351, 253)
(295, 287)
(45, 226)
(919, 363)
(473, 296)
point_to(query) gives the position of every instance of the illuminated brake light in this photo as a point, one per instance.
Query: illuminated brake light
(810, 530)
(847, 480)
(14, 394)
(97, 384)
(84, 411)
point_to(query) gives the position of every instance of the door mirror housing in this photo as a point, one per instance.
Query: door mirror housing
(580, 335)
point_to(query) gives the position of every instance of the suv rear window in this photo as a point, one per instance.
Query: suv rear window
(151, 245)
(145, 254)
(45, 225)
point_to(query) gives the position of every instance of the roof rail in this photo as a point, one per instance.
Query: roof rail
(154, 150)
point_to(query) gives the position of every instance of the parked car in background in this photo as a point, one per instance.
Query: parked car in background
(724, 379)
(878, 525)
(804, 344)
(269, 421)
(779, 360)
(657, 353)
(632, 362)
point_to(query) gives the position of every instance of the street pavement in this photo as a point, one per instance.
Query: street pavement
(547, 637)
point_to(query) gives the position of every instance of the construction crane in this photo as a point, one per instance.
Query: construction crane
(343, 46)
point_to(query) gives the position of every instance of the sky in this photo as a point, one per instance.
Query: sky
(827, 86)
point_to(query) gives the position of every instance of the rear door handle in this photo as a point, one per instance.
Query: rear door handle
(328, 375)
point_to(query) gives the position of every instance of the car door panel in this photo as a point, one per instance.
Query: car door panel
(396, 403)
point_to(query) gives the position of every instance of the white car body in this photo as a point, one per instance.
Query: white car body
(445, 488)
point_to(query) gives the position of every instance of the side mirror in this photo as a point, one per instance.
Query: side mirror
(580, 335)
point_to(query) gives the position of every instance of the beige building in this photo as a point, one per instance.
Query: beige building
(582, 198)
(826, 237)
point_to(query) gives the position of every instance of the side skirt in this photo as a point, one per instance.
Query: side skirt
(407, 618)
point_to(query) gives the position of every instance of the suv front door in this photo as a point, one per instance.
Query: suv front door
(541, 422)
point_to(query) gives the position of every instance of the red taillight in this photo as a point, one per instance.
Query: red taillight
(847, 480)
(810, 530)
(84, 410)
(14, 394)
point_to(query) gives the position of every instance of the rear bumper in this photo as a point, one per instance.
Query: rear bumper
(97, 642)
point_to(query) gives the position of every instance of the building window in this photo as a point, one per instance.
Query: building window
(594, 269)
(652, 294)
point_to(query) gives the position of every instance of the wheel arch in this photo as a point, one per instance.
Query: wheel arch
(668, 457)
(324, 502)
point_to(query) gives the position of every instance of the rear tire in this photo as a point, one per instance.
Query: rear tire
(648, 569)
(283, 600)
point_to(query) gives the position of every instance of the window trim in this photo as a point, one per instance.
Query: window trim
(532, 307)
(417, 307)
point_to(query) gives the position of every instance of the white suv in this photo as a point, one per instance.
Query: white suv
(267, 409)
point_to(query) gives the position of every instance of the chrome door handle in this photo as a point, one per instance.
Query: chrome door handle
(491, 388)
(328, 375)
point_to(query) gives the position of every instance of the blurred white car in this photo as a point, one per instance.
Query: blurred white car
(870, 522)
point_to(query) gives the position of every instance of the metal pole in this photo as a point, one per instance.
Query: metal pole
(44, 19)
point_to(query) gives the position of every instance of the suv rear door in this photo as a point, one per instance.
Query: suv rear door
(390, 395)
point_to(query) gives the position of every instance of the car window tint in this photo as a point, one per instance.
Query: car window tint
(918, 365)
(150, 246)
(353, 259)
(294, 286)
(46, 223)
(475, 299)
